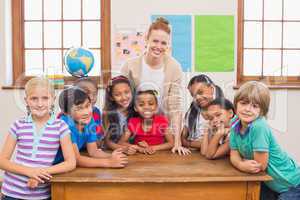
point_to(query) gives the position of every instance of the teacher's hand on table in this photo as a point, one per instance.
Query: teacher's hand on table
(181, 150)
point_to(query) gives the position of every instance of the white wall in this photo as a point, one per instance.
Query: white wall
(285, 103)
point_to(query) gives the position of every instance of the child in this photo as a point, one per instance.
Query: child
(36, 139)
(203, 91)
(150, 130)
(254, 148)
(91, 89)
(117, 109)
(216, 145)
(194, 139)
(77, 108)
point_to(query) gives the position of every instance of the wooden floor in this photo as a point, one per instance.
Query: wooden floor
(164, 176)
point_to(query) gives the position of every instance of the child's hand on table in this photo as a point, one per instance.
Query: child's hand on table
(150, 150)
(250, 166)
(132, 149)
(118, 159)
(39, 174)
(143, 144)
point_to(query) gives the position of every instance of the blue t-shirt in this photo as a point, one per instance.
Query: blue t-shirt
(258, 137)
(89, 135)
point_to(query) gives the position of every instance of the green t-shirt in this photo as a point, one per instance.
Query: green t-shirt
(259, 137)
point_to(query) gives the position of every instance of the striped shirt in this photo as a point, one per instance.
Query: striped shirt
(33, 149)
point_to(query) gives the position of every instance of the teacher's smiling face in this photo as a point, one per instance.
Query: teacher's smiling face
(157, 43)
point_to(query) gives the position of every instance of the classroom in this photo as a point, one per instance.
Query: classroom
(230, 41)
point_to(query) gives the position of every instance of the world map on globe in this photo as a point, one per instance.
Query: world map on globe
(79, 61)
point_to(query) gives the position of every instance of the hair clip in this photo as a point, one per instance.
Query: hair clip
(110, 83)
(155, 93)
(120, 77)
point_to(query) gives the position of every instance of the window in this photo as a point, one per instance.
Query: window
(43, 30)
(269, 42)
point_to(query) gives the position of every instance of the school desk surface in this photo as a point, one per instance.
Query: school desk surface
(162, 176)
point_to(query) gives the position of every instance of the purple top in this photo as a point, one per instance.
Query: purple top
(33, 149)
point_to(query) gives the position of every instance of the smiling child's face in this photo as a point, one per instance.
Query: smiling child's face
(201, 93)
(39, 101)
(146, 105)
(218, 117)
(82, 113)
(247, 111)
(122, 95)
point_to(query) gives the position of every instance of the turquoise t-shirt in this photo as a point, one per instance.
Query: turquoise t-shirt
(259, 137)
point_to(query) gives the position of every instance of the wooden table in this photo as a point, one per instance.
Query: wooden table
(164, 176)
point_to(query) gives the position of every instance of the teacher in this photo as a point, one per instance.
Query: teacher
(156, 67)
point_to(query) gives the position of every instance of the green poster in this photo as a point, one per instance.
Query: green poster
(214, 43)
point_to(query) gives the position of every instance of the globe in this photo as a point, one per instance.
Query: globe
(79, 61)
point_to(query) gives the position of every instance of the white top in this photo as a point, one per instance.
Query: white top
(202, 125)
(153, 77)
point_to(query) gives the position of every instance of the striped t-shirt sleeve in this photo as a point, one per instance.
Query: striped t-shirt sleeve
(64, 130)
(13, 129)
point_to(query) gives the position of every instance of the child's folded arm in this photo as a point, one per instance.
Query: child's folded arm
(168, 144)
(7, 165)
(249, 166)
(85, 161)
(261, 144)
(204, 143)
(5, 156)
(235, 159)
(214, 149)
(222, 150)
(69, 162)
(116, 160)
(95, 152)
(262, 158)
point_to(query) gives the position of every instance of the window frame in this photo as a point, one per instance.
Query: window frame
(271, 81)
(18, 42)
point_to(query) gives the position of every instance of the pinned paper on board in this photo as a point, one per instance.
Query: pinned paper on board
(214, 43)
(127, 43)
(200, 43)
